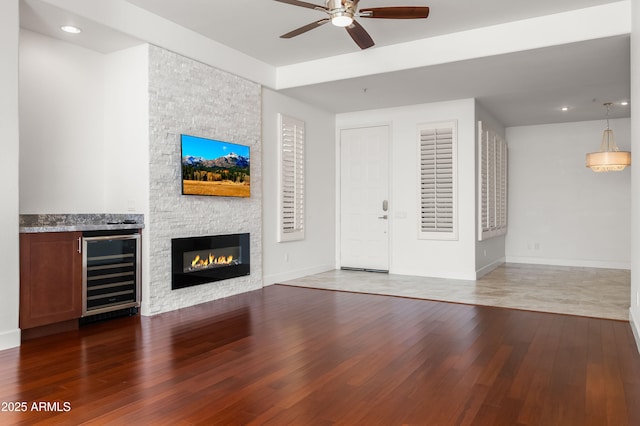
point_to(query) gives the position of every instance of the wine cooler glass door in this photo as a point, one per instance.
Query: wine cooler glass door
(111, 273)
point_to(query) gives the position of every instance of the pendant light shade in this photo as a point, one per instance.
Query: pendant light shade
(609, 158)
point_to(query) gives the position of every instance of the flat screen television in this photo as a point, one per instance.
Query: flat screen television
(213, 167)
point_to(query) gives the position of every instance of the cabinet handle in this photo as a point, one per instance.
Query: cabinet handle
(79, 244)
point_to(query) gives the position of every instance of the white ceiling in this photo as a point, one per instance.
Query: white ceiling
(518, 88)
(522, 88)
(254, 26)
(46, 19)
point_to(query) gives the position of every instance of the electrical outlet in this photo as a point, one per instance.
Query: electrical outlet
(286, 257)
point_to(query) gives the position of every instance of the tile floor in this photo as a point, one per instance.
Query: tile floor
(592, 292)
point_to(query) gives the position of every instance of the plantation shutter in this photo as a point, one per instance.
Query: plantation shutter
(438, 181)
(291, 180)
(492, 183)
(491, 180)
(483, 170)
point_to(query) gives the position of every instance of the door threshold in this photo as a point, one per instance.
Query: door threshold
(379, 271)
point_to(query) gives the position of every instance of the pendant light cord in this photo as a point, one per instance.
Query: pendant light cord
(608, 143)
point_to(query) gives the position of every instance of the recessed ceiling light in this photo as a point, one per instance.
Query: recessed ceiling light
(71, 29)
(565, 108)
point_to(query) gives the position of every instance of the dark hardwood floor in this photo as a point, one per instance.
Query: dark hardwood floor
(287, 355)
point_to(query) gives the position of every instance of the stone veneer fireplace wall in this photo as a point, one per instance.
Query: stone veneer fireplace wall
(186, 96)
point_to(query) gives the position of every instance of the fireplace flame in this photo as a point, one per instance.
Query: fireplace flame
(210, 260)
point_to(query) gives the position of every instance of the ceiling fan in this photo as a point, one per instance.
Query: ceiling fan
(342, 12)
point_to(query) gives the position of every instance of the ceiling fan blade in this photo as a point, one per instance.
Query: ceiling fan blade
(305, 28)
(303, 4)
(400, 12)
(360, 35)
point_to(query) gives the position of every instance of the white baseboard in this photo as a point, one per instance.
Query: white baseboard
(296, 273)
(10, 339)
(490, 267)
(569, 262)
(635, 327)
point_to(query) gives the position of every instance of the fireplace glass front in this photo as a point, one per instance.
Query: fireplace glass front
(200, 260)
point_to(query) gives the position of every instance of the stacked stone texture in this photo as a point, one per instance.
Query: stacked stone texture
(186, 96)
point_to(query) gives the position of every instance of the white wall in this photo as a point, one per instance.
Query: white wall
(560, 212)
(126, 143)
(634, 312)
(84, 128)
(61, 127)
(126, 131)
(9, 208)
(490, 253)
(410, 256)
(316, 253)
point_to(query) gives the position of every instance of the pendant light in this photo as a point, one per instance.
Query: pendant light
(609, 158)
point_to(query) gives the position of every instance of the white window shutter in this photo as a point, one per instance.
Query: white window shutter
(291, 179)
(437, 153)
(492, 183)
(502, 205)
(483, 170)
(491, 179)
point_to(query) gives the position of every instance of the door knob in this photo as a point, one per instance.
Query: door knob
(383, 217)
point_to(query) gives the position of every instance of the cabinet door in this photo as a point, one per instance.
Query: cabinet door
(50, 278)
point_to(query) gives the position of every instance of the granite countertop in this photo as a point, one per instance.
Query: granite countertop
(34, 223)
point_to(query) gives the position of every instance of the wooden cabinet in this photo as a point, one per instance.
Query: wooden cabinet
(50, 278)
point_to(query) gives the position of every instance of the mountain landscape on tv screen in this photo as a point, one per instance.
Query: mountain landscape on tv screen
(228, 161)
(228, 175)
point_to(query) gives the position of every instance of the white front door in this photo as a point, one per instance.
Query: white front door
(364, 195)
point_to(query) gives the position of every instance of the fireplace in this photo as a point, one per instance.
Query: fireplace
(201, 260)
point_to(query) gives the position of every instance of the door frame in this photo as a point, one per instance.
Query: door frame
(338, 186)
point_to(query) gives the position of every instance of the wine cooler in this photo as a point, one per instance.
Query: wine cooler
(111, 272)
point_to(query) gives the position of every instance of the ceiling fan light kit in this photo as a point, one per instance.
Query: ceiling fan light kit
(341, 20)
(609, 158)
(342, 13)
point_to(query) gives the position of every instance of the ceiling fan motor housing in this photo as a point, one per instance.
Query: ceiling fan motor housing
(341, 10)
